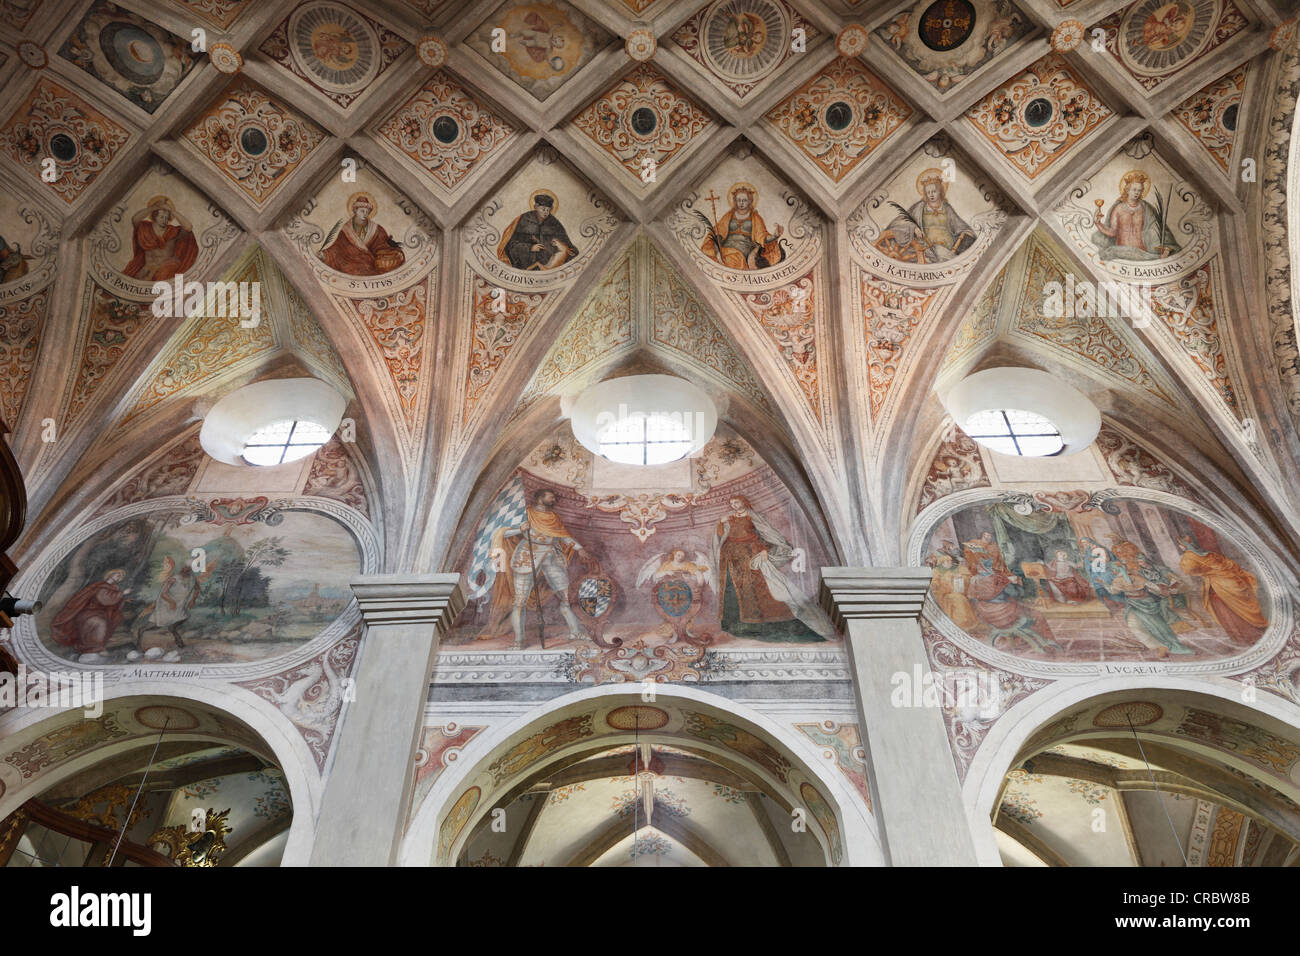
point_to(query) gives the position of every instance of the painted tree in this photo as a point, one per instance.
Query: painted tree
(266, 553)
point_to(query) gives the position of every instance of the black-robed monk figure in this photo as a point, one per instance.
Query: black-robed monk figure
(536, 239)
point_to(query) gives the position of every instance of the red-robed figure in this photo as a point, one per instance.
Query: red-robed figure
(362, 246)
(91, 615)
(162, 242)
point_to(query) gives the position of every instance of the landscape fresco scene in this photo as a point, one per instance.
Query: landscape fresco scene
(137, 591)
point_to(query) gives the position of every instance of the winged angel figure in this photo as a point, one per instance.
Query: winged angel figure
(667, 563)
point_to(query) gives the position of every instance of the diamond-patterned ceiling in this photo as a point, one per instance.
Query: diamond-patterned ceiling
(730, 41)
(539, 46)
(944, 43)
(835, 146)
(840, 116)
(445, 130)
(642, 123)
(253, 140)
(1040, 116)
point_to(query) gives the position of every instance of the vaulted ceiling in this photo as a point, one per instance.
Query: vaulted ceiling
(638, 118)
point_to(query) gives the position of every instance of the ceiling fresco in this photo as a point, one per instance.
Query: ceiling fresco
(825, 213)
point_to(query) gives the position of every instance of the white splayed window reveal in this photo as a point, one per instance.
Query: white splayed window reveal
(272, 422)
(643, 420)
(1023, 412)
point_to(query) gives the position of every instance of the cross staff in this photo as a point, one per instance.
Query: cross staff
(712, 200)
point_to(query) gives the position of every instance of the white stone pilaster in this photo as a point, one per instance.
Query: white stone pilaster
(916, 796)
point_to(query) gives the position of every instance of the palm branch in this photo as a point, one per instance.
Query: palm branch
(329, 238)
(920, 230)
(1162, 206)
(717, 240)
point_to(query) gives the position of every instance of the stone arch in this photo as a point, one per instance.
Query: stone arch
(848, 836)
(224, 714)
(1036, 721)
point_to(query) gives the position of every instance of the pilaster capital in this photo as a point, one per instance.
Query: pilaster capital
(873, 593)
(409, 599)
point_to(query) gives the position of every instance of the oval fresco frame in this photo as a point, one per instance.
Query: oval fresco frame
(1279, 607)
(34, 653)
(805, 226)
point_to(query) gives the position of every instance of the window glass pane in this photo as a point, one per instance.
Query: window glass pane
(294, 452)
(625, 454)
(664, 452)
(1014, 431)
(1046, 445)
(263, 455)
(667, 428)
(626, 429)
(275, 434)
(1028, 422)
(42, 847)
(1004, 445)
(284, 442)
(309, 433)
(988, 422)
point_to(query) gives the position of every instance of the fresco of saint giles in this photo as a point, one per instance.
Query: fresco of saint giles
(536, 240)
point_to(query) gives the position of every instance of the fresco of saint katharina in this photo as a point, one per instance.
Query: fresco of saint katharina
(929, 231)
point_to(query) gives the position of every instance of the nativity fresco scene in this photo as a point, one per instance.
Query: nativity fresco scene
(586, 433)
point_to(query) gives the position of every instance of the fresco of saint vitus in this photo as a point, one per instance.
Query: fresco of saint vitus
(162, 242)
(536, 240)
(1134, 228)
(931, 230)
(757, 599)
(740, 239)
(360, 246)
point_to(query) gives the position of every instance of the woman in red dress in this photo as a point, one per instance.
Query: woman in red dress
(757, 599)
